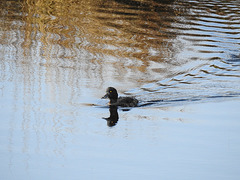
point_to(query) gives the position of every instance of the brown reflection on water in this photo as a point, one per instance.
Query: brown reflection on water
(115, 41)
(120, 29)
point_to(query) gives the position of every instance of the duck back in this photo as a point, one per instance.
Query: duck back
(127, 102)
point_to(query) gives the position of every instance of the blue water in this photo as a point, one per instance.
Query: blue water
(180, 59)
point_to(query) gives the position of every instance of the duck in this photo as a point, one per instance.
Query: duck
(111, 93)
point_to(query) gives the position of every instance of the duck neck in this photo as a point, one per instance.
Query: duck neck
(113, 101)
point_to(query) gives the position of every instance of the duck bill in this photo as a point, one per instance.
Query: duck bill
(105, 96)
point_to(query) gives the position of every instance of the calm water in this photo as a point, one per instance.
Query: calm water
(181, 59)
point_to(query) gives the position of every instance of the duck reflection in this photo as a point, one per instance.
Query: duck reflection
(113, 118)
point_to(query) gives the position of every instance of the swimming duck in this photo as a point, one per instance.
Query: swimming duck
(112, 94)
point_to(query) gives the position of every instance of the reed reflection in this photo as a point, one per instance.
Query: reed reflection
(90, 39)
(135, 29)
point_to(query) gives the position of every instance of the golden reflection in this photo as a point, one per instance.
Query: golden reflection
(112, 28)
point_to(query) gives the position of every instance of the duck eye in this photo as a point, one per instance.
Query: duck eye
(110, 91)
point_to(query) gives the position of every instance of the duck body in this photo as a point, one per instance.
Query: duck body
(112, 94)
(125, 102)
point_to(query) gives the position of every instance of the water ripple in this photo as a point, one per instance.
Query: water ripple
(159, 49)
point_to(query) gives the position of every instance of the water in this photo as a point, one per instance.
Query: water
(181, 59)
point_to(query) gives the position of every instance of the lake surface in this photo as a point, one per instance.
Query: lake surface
(181, 59)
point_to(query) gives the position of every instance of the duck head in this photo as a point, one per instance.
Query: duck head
(112, 94)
